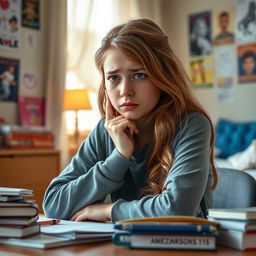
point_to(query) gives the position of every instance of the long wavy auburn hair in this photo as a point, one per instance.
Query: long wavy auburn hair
(143, 42)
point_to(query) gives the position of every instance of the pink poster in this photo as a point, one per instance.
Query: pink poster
(31, 110)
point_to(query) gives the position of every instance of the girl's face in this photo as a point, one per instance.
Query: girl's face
(129, 88)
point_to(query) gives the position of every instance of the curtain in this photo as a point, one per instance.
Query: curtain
(132, 9)
(55, 73)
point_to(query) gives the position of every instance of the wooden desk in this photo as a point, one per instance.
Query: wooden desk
(109, 249)
(31, 169)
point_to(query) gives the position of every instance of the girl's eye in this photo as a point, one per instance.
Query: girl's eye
(113, 78)
(140, 76)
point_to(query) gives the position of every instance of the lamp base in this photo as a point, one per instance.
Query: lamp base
(76, 133)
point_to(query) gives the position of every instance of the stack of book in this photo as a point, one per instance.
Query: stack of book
(237, 227)
(173, 233)
(25, 137)
(18, 216)
(56, 233)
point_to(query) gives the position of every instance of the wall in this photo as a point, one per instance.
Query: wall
(175, 24)
(30, 60)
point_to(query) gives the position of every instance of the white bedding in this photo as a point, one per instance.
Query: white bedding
(224, 163)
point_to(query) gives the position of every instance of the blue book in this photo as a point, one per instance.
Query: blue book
(165, 227)
(164, 241)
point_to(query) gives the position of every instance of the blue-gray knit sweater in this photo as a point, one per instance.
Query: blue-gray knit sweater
(98, 169)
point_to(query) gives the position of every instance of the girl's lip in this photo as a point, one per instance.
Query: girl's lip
(129, 106)
(126, 104)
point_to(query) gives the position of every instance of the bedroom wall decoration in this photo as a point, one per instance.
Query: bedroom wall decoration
(10, 25)
(226, 38)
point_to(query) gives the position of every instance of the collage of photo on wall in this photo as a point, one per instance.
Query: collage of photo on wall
(222, 48)
(14, 81)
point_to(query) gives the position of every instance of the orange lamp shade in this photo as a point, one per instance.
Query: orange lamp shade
(77, 99)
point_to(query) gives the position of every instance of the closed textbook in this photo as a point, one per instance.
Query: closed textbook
(165, 227)
(166, 241)
(239, 225)
(237, 239)
(6, 191)
(25, 221)
(248, 213)
(19, 231)
(10, 198)
(19, 203)
(18, 211)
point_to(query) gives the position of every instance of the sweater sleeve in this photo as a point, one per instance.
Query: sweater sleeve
(188, 178)
(91, 175)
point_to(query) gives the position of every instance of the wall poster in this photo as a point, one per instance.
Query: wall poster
(246, 20)
(223, 27)
(30, 13)
(201, 72)
(247, 63)
(225, 65)
(10, 24)
(9, 79)
(200, 34)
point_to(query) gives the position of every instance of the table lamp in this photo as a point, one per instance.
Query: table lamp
(76, 100)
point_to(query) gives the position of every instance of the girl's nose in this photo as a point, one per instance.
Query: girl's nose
(126, 88)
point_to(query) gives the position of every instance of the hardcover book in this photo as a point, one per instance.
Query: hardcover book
(248, 213)
(19, 231)
(6, 191)
(9, 130)
(166, 241)
(19, 203)
(10, 198)
(239, 225)
(25, 144)
(25, 221)
(18, 211)
(237, 239)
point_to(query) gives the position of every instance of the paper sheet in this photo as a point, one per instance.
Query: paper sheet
(66, 226)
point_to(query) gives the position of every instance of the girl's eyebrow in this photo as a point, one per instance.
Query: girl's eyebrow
(130, 70)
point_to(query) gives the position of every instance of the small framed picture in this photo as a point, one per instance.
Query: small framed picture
(31, 14)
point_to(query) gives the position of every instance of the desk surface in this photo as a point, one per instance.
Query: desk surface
(109, 249)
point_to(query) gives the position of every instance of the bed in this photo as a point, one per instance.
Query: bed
(235, 145)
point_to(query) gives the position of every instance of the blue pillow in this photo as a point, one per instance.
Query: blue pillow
(232, 137)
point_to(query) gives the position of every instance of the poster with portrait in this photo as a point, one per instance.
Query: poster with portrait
(246, 20)
(9, 79)
(10, 24)
(247, 63)
(29, 83)
(223, 27)
(200, 31)
(31, 14)
(201, 72)
(225, 65)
